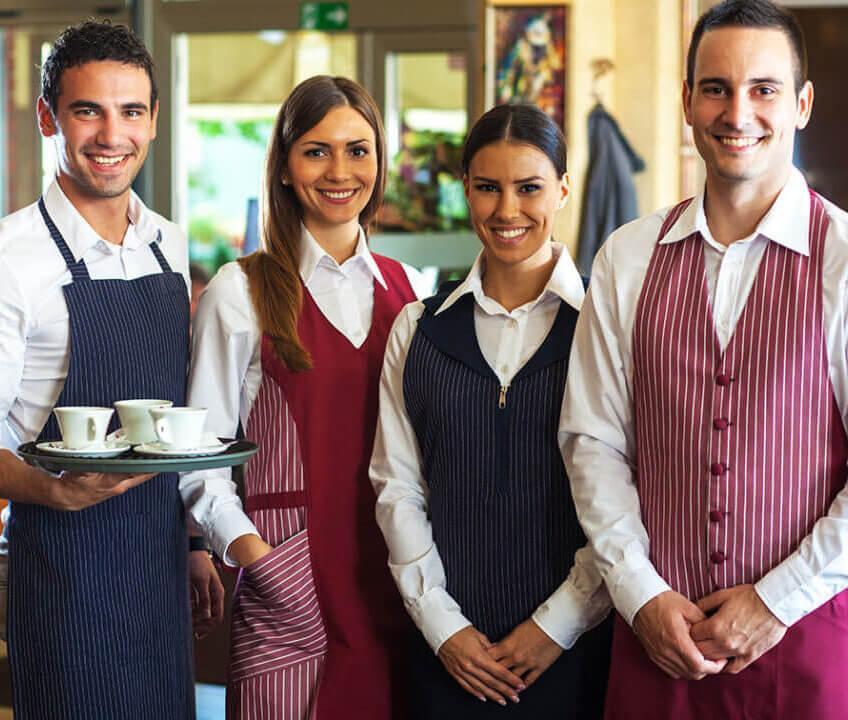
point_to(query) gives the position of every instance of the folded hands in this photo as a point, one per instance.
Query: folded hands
(498, 671)
(723, 632)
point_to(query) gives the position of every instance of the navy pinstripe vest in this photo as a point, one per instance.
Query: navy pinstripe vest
(500, 505)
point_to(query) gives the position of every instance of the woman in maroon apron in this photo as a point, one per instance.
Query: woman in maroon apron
(291, 339)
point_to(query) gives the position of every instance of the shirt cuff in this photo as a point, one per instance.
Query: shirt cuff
(632, 583)
(791, 590)
(569, 613)
(221, 530)
(437, 616)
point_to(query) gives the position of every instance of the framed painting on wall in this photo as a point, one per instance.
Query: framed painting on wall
(526, 55)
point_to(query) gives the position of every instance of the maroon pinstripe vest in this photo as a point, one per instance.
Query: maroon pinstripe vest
(738, 452)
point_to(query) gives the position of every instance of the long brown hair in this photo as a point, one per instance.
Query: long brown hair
(273, 272)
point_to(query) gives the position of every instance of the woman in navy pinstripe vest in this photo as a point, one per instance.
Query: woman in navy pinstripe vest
(474, 503)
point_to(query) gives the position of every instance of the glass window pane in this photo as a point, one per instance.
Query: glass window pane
(426, 121)
(229, 89)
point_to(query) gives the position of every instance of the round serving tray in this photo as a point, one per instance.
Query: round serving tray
(132, 462)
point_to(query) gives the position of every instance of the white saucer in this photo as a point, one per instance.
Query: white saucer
(156, 449)
(110, 449)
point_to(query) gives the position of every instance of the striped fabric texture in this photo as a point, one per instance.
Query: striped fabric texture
(502, 515)
(278, 637)
(738, 452)
(286, 693)
(99, 623)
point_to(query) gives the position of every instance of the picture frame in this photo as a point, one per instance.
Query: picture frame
(526, 54)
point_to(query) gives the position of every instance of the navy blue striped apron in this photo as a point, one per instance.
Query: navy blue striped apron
(98, 618)
(499, 503)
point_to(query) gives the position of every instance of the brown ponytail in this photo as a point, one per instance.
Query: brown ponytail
(273, 272)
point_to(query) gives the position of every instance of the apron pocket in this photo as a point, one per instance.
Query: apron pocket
(283, 576)
(276, 617)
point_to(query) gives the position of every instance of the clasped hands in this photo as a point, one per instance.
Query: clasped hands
(498, 671)
(723, 632)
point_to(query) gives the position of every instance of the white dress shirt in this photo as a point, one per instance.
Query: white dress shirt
(597, 424)
(34, 323)
(507, 341)
(226, 366)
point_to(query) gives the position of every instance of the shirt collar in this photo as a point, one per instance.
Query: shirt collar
(80, 237)
(312, 255)
(143, 229)
(787, 222)
(565, 283)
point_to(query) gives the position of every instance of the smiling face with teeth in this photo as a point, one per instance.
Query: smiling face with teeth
(332, 169)
(513, 193)
(743, 107)
(102, 128)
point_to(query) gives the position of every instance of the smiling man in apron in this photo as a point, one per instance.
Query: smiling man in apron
(93, 309)
(704, 420)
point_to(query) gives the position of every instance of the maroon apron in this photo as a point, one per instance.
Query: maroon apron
(801, 678)
(739, 451)
(319, 628)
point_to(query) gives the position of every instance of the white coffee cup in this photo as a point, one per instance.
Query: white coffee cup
(136, 422)
(83, 428)
(179, 428)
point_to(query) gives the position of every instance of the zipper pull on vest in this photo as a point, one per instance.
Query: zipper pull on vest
(502, 397)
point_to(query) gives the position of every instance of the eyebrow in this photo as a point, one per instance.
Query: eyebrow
(326, 144)
(751, 81)
(480, 178)
(81, 104)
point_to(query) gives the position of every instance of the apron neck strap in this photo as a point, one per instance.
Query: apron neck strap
(158, 254)
(78, 269)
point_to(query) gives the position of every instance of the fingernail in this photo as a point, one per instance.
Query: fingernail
(481, 698)
(502, 702)
(515, 698)
(522, 687)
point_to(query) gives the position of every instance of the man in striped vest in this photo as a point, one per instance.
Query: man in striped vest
(704, 420)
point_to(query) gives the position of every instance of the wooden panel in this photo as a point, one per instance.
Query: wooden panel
(822, 149)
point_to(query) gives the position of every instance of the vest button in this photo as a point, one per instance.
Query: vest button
(717, 557)
(721, 424)
(716, 516)
(718, 468)
(723, 380)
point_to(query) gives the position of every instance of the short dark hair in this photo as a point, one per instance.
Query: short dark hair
(93, 41)
(752, 14)
(519, 123)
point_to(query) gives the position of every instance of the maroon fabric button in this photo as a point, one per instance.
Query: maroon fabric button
(717, 557)
(720, 424)
(723, 379)
(716, 516)
(718, 468)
